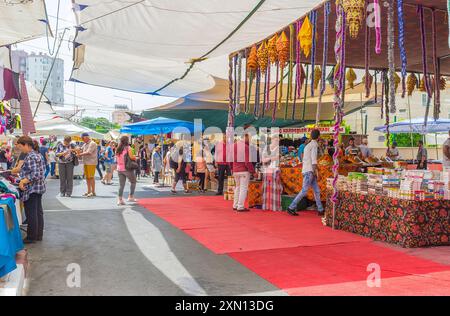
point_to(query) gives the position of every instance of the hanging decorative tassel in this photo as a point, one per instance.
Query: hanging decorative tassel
(298, 83)
(235, 84)
(294, 105)
(330, 78)
(263, 61)
(305, 37)
(376, 86)
(351, 78)
(367, 76)
(264, 104)
(268, 85)
(246, 83)
(354, 13)
(302, 80)
(397, 81)
(339, 78)
(377, 26)
(383, 89)
(424, 49)
(230, 95)
(289, 95)
(448, 15)
(237, 109)
(391, 55)
(305, 93)
(411, 83)
(437, 72)
(317, 77)
(401, 43)
(252, 67)
(368, 82)
(257, 94)
(275, 106)
(326, 14)
(313, 54)
(283, 57)
(388, 132)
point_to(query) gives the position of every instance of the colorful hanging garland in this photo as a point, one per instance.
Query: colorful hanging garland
(391, 55)
(339, 79)
(326, 18)
(437, 72)
(289, 95)
(401, 43)
(313, 50)
(420, 12)
(283, 58)
(252, 67)
(297, 60)
(377, 26)
(238, 86)
(231, 111)
(367, 76)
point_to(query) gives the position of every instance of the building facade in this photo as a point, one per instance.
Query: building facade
(36, 68)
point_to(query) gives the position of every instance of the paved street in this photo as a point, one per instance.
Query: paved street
(128, 251)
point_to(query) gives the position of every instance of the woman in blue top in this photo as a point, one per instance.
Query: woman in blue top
(108, 159)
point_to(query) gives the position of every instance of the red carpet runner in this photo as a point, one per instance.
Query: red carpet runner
(299, 254)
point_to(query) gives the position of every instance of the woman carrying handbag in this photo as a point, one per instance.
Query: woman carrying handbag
(126, 167)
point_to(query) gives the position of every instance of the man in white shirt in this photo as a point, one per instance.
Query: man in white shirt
(446, 149)
(366, 152)
(310, 175)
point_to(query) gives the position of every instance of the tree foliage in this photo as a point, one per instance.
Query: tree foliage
(98, 124)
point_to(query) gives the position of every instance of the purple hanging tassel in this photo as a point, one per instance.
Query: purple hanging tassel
(401, 43)
(424, 49)
(437, 72)
(299, 65)
(313, 53)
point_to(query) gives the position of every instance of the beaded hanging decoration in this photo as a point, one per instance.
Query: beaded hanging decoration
(437, 72)
(238, 86)
(339, 78)
(313, 50)
(283, 58)
(391, 55)
(420, 12)
(297, 60)
(275, 107)
(252, 67)
(377, 26)
(367, 83)
(326, 17)
(289, 95)
(401, 43)
(231, 111)
(246, 83)
(235, 85)
(257, 94)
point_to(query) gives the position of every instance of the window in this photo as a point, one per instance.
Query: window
(381, 139)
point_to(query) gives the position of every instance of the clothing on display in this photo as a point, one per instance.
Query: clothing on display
(11, 85)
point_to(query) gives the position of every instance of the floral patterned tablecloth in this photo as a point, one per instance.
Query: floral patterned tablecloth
(410, 224)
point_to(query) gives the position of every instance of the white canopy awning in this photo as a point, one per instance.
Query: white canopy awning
(59, 126)
(143, 46)
(22, 20)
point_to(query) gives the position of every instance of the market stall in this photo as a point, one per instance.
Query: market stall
(407, 208)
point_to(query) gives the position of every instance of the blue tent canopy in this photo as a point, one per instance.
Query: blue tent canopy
(417, 126)
(157, 126)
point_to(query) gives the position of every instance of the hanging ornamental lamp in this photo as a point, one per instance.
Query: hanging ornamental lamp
(305, 37)
(354, 13)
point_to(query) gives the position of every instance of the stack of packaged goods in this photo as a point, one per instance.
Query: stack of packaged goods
(358, 182)
(342, 184)
(375, 184)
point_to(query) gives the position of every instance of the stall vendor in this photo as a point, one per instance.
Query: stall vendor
(393, 152)
(366, 152)
(352, 149)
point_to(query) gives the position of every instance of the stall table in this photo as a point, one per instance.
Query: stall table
(407, 223)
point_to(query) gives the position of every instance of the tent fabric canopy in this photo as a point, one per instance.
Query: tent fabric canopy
(417, 126)
(59, 126)
(22, 21)
(157, 126)
(142, 46)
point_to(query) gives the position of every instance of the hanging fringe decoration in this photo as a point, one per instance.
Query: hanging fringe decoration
(391, 55)
(264, 104)
(268, 85)
(354, 13)
(237, 109)
(230, 95)
(367, 75)
(252, 67)
(317, 77)
(437, 71)
(294, 105)
(235, 84)
(383, 90)
(401, 43)
(297, 61)
(289, 95)
(275, 107)
(424, 49)
(246, 83)
(376, 86)
(388, 132)
(377, 26)
(330, 77)
(305, 93)
(351, 78)
(313, 54)
(339, 78)
(326, 18)
(263, 61)
(283, 57)
(411, 83)
(305, 37)
(257, 94)
(368, 82)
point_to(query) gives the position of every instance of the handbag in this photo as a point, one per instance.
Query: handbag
(75, 160)
(130, 164)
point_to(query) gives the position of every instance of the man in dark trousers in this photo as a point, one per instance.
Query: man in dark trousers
(220, 158)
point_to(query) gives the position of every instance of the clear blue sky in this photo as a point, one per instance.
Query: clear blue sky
(97, 100)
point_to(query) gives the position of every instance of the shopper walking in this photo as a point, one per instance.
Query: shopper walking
(44, 152)
(179, 165)
(66, 156)
(143, 154)
(108, 158)
(201, 171)
(126, 167)
(242, 170)
(157, 164)
(52, 161)
(32, 185)
(89, 155)
(310, 175)
(222, 165)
